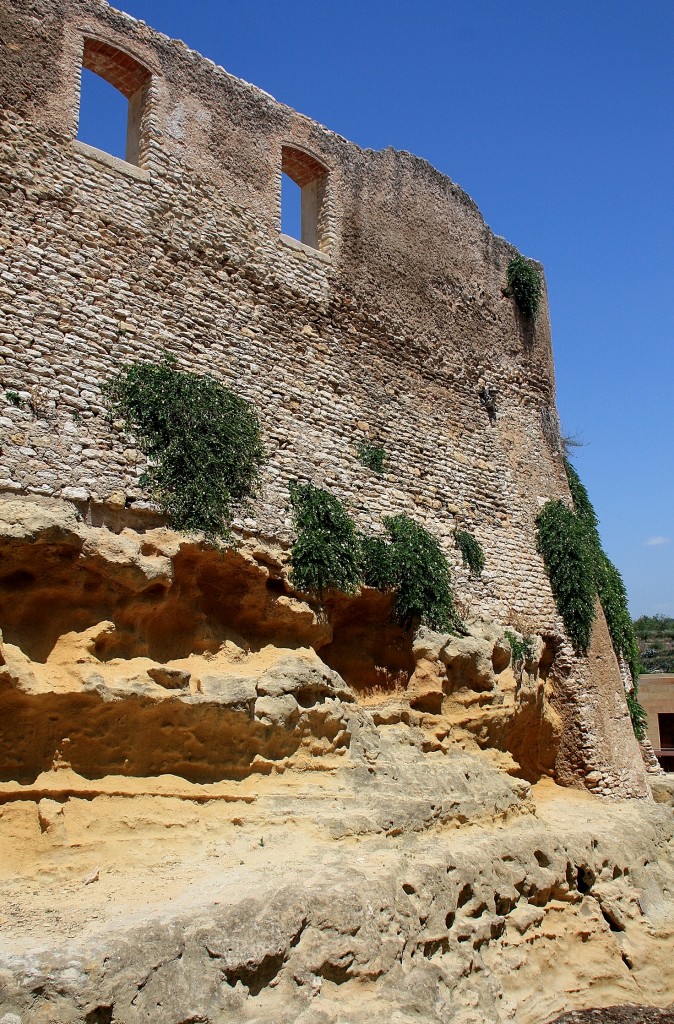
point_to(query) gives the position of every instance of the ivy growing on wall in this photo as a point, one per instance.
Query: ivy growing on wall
(613, 598)
(471, 551)
(326, 553)
(580, 571)
(524, 284)
(562, 541)
(637, 713)
(201, 440)
(612, 595)
(582, 505)
(373, 456)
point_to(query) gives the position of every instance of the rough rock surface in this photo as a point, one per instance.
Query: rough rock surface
(396, 885)
(618, 1015)
(202, 820)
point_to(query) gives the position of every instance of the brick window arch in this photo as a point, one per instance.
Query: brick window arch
(130, 78)
(311, 177)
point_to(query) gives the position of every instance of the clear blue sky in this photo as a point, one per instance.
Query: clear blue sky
(556, 117)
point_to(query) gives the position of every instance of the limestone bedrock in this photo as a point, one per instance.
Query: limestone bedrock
(219, 802)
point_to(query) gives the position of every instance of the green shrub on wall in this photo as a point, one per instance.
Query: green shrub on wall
(422, 577)
(202, 442)
(373, 456)
(378, 566)
(613, 599)
(524, 285)
(637, 713)
(412, 564)
(326, 553)
(471, 551)
(582, 505)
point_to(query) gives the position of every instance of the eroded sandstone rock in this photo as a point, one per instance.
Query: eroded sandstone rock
(220, 803)
(547, 903)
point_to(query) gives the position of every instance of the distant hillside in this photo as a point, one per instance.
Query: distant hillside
(656, 642)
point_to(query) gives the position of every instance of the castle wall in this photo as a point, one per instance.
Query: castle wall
(388, 334)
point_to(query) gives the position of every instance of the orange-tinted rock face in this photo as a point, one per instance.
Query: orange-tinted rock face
(149, 653)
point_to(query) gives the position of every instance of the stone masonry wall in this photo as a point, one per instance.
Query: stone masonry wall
(389, 334)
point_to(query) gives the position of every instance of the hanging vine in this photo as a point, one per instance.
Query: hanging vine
(579, 571)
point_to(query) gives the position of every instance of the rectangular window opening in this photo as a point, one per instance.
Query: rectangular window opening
(113, 91)
(104, 115)
(303, 198)
(291, 208)
(666, 729)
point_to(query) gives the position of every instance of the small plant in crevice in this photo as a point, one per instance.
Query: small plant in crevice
(569, 442)
(327, 551)
(465, 609)
(15, 399)
(488, 397)
(38, 403)
(471, 551)
(372, 456)
(202, 442)
(521, 650)
(524, 284)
